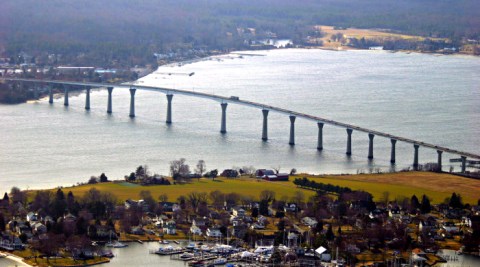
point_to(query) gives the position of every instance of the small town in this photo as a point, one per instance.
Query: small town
(335, 226)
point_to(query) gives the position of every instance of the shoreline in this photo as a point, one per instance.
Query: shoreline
(16, 258)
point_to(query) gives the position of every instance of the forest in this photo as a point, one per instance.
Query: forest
(130, 31)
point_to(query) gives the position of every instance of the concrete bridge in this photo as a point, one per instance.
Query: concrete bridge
(224, 101)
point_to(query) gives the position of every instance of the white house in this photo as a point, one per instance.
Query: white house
(309, 221)
(214, 232)
(170, 227)
(31, 217)
(195, 230)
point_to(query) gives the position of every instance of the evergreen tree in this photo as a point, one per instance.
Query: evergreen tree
(103, 178)
(455, 201)
(425, 206)
(2, 223)
(414, 203)
(329, 234)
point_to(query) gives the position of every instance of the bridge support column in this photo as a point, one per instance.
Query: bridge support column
(392, 154)
(223, 127)
(87, 98)
(35, 92)
(265, 125)
(50, 95)
(349, 142)
(370, 145)
(132, 102)
(292, 130)
(464, 163)
(169, 109)
(65, 101)
(439, 162)
(320, 136)
(109, 106)
(415, 157)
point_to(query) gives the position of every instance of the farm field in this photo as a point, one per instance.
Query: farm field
(405, 184)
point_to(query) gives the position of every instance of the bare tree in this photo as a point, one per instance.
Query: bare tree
(248, 170)
(195, 198)
(267, 195)
(201, 167)
(178, 168)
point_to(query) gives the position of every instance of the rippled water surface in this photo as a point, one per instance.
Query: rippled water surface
(434, 99)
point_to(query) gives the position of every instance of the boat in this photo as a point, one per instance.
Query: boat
(3, 255)
(196, 263)
(116, 244)
(187, 255)
(220, 261)
(190, 246)
(176, 242)
(165, 242)
(106, 253)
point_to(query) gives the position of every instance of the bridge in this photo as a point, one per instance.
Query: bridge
(224, 101)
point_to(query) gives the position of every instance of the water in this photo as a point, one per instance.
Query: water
(430, 98)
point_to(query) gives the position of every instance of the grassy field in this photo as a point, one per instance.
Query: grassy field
(436, 186)
(364, 33)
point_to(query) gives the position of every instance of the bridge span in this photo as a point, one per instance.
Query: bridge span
(224, 101)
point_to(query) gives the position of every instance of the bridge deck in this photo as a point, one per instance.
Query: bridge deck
(251, 104)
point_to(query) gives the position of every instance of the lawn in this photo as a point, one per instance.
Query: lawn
(436, 186)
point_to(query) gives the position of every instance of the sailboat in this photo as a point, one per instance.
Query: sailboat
(115, 243)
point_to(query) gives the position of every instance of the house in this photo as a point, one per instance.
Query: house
(137, 230)
(257, 226)
(195, 230)
(394, 213)
(213, 232)
(69, 218)
(309, 221)
(238, 212)
(262, 219)
(38, 228)
(450, 227)
(170, 227)
(290, 207)
(261, 173)
(199, 222)
(32, 217)
(230, 173)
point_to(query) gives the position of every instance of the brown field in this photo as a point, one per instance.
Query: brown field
(363, 33)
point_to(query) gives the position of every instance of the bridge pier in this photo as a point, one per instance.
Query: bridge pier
(370, 145)
(349, 142)
(265, 125)
(169, 108)
(35, 92)
(292, 130)
(109, 106)
(132, 102)
(320, 136)
(50, 94)
(223, 127)
(65, 100)
(415, 157)
(392, 154)
(87, 98)
(439, 161)
(464, 163)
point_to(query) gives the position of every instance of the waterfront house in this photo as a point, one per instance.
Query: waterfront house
(213, 232)
(195, 230)
(290, 207)
(170, 228)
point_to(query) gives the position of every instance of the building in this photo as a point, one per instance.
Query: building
(214, 232)
(170, 227)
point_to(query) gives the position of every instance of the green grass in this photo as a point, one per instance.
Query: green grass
(243, 186)
(436, 186)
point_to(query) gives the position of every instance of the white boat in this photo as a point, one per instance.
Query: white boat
(220, 261)
(190, 246)
(165, 242)
(187, 255)
(116, 244)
